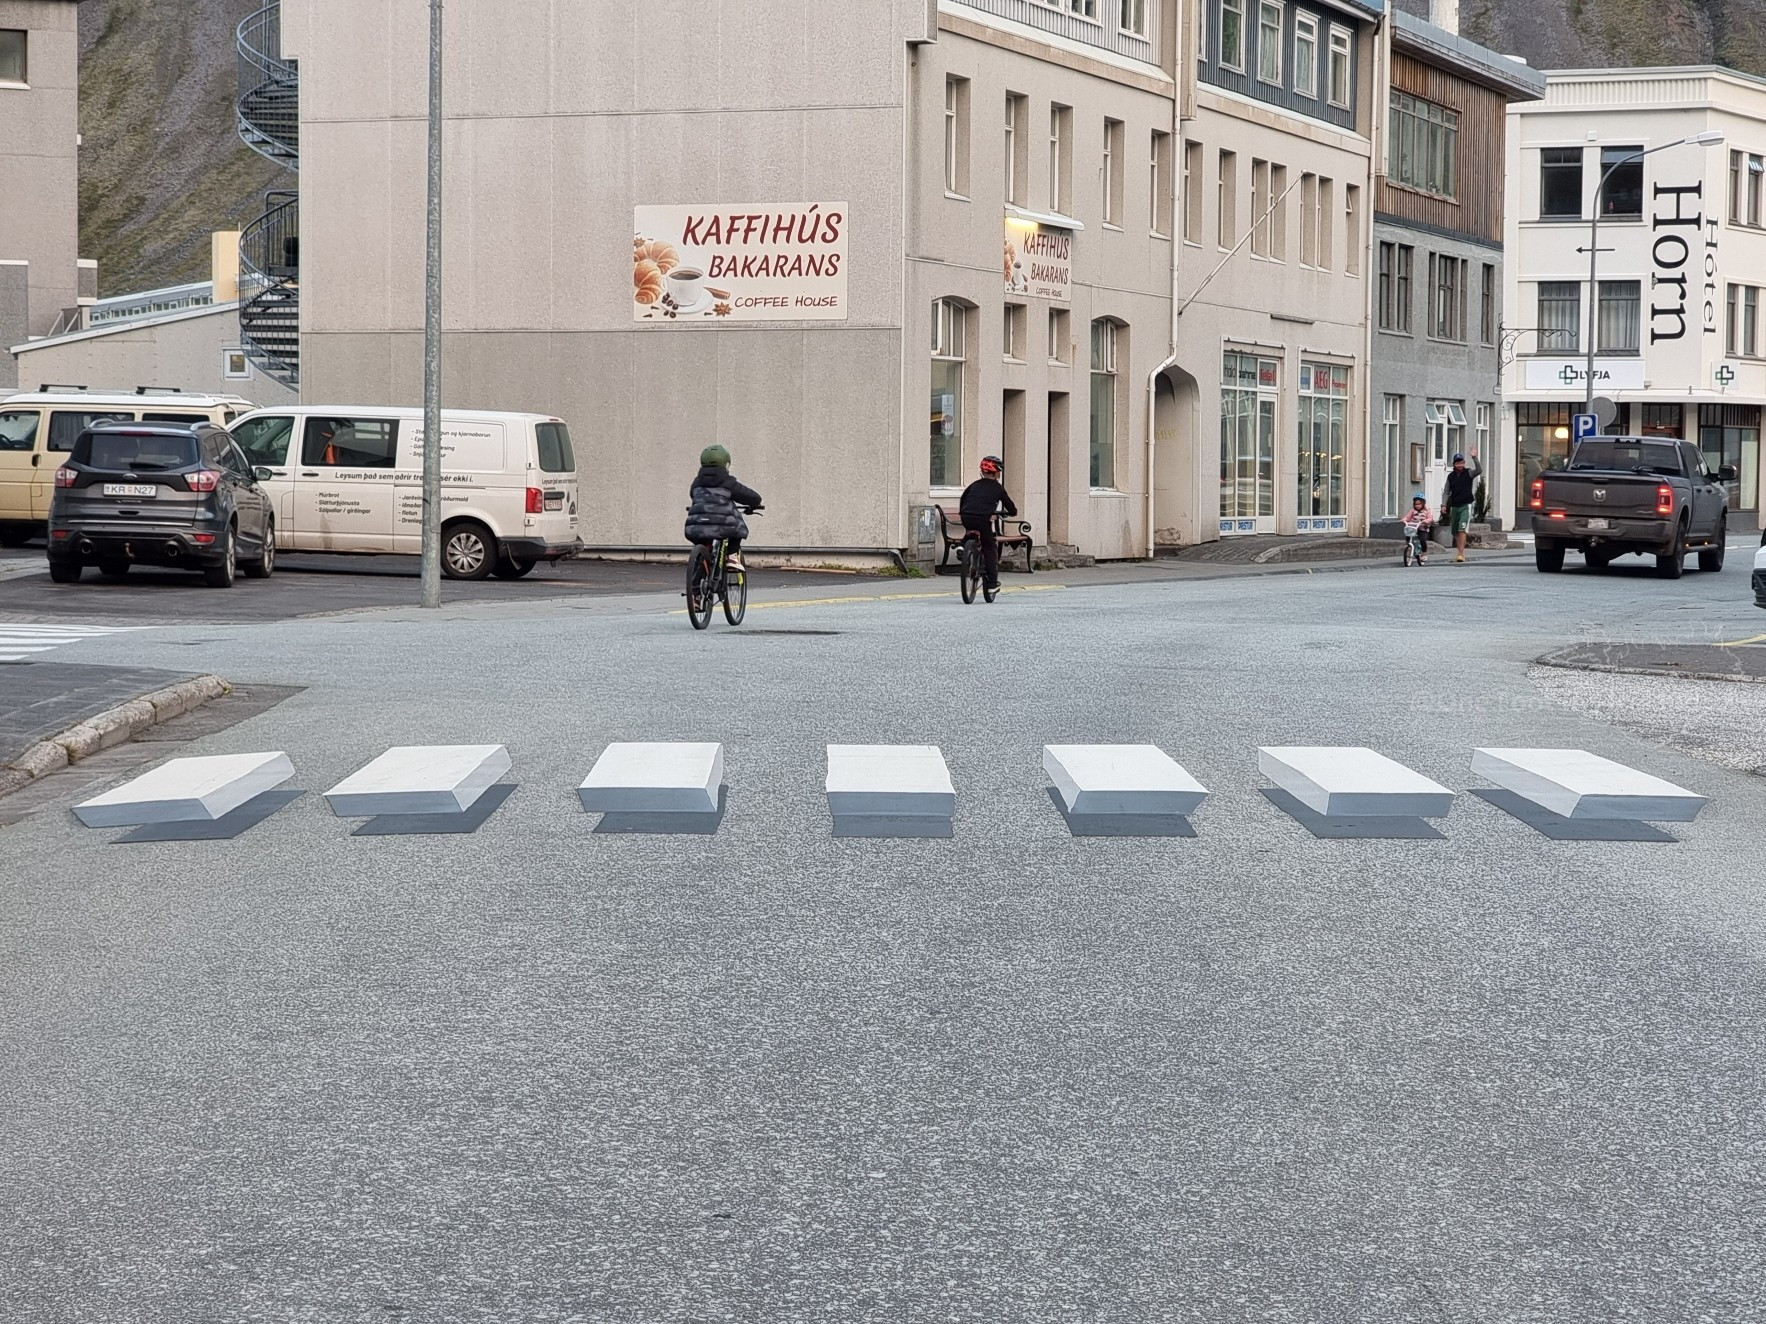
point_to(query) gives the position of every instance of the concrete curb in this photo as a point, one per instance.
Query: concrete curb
(1618, 669)
(113, 726)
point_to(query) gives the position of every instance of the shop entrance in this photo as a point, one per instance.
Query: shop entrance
(1248, 392)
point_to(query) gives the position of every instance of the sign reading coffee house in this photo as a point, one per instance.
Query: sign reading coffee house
(720, 262)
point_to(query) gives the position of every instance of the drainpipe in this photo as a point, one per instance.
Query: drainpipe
(1176, 226)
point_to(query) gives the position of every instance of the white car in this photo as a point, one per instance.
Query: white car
(1760, 573)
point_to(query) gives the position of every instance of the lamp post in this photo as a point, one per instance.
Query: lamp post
(1708, 139)
(430, 587)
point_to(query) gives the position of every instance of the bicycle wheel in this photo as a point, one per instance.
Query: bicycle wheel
(735, 595)
(699, 589)
(970, 578)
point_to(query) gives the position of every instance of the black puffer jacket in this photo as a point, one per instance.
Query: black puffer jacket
(713, 514)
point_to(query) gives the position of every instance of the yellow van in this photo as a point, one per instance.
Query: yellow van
(38, 428)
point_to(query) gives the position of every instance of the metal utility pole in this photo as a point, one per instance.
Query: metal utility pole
(432, 326)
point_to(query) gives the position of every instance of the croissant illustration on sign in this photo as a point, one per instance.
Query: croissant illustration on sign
(741, 263)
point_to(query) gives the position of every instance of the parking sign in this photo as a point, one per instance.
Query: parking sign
(1583, 426)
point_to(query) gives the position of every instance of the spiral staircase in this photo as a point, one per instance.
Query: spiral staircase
(269, 247)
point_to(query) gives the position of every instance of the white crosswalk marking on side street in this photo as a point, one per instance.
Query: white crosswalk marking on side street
(20, 643)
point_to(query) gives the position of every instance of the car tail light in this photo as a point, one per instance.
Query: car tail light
(203, 480)
(1536, 498)
(1664, 500)
(1558, 514)
(536, 501)
(204, 538)
(64, 477)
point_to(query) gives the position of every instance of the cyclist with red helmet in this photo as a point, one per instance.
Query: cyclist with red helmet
(982, 499)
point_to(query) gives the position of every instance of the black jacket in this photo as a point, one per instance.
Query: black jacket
(983, 497)
(1459, 484)
(715, 494)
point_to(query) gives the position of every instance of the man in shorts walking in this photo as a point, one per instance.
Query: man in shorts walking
(1456, 501)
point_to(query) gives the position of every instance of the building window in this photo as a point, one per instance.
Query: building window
(1327, 209)
(1269, 41)
(1134, 18)
(1084, 8)
(1308, 220)
(1248, 387)
(1340, 66)
(1444, 421)
(1227, 227)
(1352, 228)
(1661, 421)
(1486, 412)
(1560, 316)
(1060, 338)
(12, 56)
(1616, 317)
(949, 333)
(1103, 403)
(1259, 208)
(1306, 54)
(1730, 434)
(1622, 195)
(1447, 308)
(1422, 145)
(1278, 220)
(1487, 307)
(1113, 152)
(1396, 472)
(1017, 147)
(1745, 172)
(1192, 192)
(1324, 406)
(1159, 183)
(1017, 322)
(1744, 320)
(1395, 271)
(1560, 182)
(956, 136)
(1060, 157)
(1232, 35)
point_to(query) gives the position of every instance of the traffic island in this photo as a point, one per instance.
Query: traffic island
(1743, 660)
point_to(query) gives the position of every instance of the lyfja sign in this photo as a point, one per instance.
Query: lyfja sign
(719, 262)
(1684, 261)
(1572, 375)
(1038, 261)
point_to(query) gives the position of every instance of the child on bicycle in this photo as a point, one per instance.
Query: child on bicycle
(1419, 521)
(981, 500)
(716, 494)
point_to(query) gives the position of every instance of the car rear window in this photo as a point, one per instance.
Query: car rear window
(1621, 454)
(135, 450)
(66, 425)
(555, 453)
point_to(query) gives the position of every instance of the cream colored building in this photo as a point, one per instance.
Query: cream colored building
(1675, 322)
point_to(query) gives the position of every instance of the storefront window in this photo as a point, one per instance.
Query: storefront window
(1103, 403)
(1661, 421)
(1730, 434)
(1324, 405)
(1542, 441)
(949, 323)
(1248, 387)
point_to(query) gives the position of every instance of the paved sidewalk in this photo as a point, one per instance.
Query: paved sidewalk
(1737, 661)
(40, 699)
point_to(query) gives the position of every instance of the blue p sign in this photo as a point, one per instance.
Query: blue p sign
(1583, 426)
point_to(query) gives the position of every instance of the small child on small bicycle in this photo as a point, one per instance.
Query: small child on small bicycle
(981, 500)
(1419, 522)
(716, 493)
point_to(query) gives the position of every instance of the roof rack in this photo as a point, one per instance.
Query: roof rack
(61, 386)
(159, 390)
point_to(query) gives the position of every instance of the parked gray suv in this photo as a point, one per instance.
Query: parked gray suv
(159, 494)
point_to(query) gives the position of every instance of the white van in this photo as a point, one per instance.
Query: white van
(38, 428)
(350, 479)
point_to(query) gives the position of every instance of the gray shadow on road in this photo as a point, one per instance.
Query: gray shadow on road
(224, 828)
(1121, 825)
(1352, 829)
(1559, 828)
(426, 825)
(667, 825)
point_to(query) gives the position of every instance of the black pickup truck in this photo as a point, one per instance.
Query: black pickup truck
(1651, 495)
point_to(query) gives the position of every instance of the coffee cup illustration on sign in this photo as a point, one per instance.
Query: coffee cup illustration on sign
(686, 285)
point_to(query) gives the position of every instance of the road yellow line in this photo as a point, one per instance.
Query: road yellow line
(1737, 643)
(879, 597)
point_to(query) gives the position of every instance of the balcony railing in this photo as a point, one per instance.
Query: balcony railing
(269, 89)
(269, 288)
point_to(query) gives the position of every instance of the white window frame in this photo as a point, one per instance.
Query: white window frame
(1060, 335)
(1270, 50)
(1104, 332)
(1397, 472)
(1011, 147)
(956, 147)
(1059, 119)
(235, 365)
(1131, 18)
(950, 331)
(1160, 149)
(1306, 30)
(1115, 141)
(1485, 417)
(1343, 49)
(24, 60)
(1237, 63)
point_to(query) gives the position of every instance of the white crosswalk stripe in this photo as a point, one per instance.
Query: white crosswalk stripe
(20, 643)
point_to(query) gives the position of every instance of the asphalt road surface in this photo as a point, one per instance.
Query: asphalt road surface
(542, 1073)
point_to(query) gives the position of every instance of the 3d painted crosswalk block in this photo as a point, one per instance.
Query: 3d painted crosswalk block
(1573, 783)
(1352, 782)
(889, 779)
(187, 790)
(1121, 779)
(655, 778)
(420, 779)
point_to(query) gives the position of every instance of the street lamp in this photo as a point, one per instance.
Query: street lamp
(1710, 138)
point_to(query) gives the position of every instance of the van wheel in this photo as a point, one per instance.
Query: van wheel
(468, 550)
(509, 567)
(221, 575)
(65, 572)
(261, 565)
(1711, 559)
(17, 535)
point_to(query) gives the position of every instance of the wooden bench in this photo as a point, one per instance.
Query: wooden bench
(951, 530)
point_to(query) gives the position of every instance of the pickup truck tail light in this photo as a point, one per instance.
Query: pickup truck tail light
(203, 480)
(1664, 500)
(1536, 496)
(536, 501)
(64, 477)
